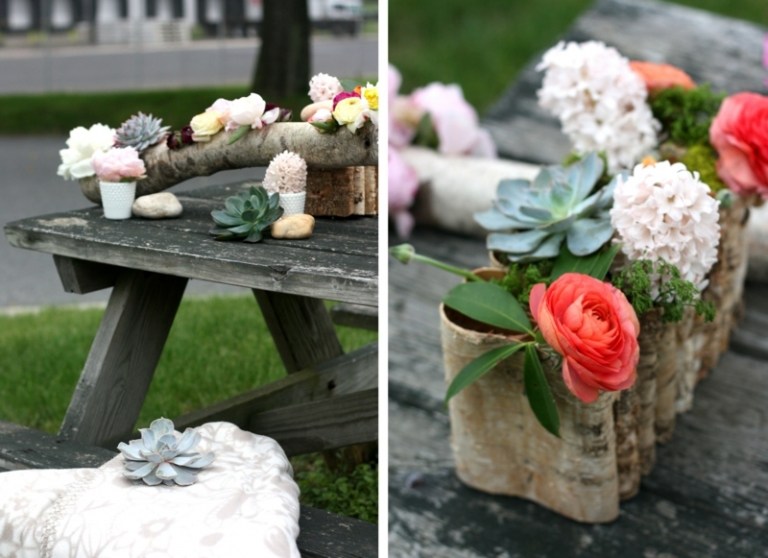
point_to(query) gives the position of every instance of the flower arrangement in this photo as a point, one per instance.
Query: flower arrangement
(437, 117)
(333, 107)
(111, 154)
(237, 116)
(560, 251)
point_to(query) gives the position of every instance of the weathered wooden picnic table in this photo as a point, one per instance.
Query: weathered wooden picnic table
(708, 493)
(327, 400)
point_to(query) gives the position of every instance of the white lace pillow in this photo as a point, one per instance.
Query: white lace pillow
(244, 504)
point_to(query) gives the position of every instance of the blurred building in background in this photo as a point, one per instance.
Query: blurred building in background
(137, 21)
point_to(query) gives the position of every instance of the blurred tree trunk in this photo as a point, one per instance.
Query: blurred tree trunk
(282, 67)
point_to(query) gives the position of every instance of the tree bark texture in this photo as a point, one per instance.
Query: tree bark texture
(282, 67)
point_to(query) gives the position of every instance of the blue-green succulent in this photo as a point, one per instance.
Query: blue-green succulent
(246, 215)
(530, 220)
(162, 457)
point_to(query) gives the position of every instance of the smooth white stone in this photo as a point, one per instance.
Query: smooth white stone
(163, 205)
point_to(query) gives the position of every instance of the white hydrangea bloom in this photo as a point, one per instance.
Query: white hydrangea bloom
(81, 145)
(600, 101)
(286, 173)
(664, 212)
(323, 87)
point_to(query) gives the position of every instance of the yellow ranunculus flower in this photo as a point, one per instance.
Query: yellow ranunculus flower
(371, 94)
(348, 110)
(205, 125)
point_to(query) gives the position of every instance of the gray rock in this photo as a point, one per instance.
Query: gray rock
(163, 205)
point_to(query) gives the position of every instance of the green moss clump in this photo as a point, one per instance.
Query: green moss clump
(675, 293)
(521, 277)
(686, 114)
(702, 158)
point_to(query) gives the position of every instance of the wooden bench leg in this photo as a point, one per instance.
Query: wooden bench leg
(120, 366)
(301, 327)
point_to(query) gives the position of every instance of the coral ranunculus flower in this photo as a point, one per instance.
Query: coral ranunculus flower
(593, 326)
(661, 76)
(739, 133)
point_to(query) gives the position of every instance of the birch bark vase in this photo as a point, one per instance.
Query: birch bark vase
(500, 448)
(726, 281)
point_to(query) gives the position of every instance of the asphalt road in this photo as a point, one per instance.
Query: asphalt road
(102, 68)
(29, 185)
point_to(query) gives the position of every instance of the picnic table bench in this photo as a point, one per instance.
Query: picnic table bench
(708, 493)
(327, 400)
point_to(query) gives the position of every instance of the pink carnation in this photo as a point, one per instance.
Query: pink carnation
(119, 164)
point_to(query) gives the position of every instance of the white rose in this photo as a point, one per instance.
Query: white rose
(247, 111)
(81, 145)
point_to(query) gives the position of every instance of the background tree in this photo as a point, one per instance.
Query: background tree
(282, 66)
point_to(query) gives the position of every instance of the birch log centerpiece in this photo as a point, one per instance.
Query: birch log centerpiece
(324, 153)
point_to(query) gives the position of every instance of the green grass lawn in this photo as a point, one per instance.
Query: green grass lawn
(483, 45)
(218, 347)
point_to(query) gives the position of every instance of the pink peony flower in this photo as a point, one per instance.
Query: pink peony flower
(593, 326)
(402, 187)
(404, 116)
(739, 133)
(119, 164)
(455, 121)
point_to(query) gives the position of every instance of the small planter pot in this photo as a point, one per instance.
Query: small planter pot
(117, 199)
(293, 203)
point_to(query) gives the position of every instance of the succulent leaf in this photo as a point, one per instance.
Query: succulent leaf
(140, 131)
(160, 456)
(530, 220)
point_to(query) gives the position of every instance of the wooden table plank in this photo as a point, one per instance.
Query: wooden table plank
(281, 266)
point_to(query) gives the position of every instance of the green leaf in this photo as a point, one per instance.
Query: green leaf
(595, 265)
(426, 135)
(539, 395)
(239, 133)
(479, 367)
(490, 304)
(254, 236)
(224, 219)
(326, 127)
(234, 204)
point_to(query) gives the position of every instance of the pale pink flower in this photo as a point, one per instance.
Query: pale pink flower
(455, 121)
(402, 187)
(324, 87)
(119, 164)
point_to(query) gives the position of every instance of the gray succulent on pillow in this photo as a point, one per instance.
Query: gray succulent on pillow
(160, 456)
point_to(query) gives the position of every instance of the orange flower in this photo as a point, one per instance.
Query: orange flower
(593, 326)
(661, 76)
